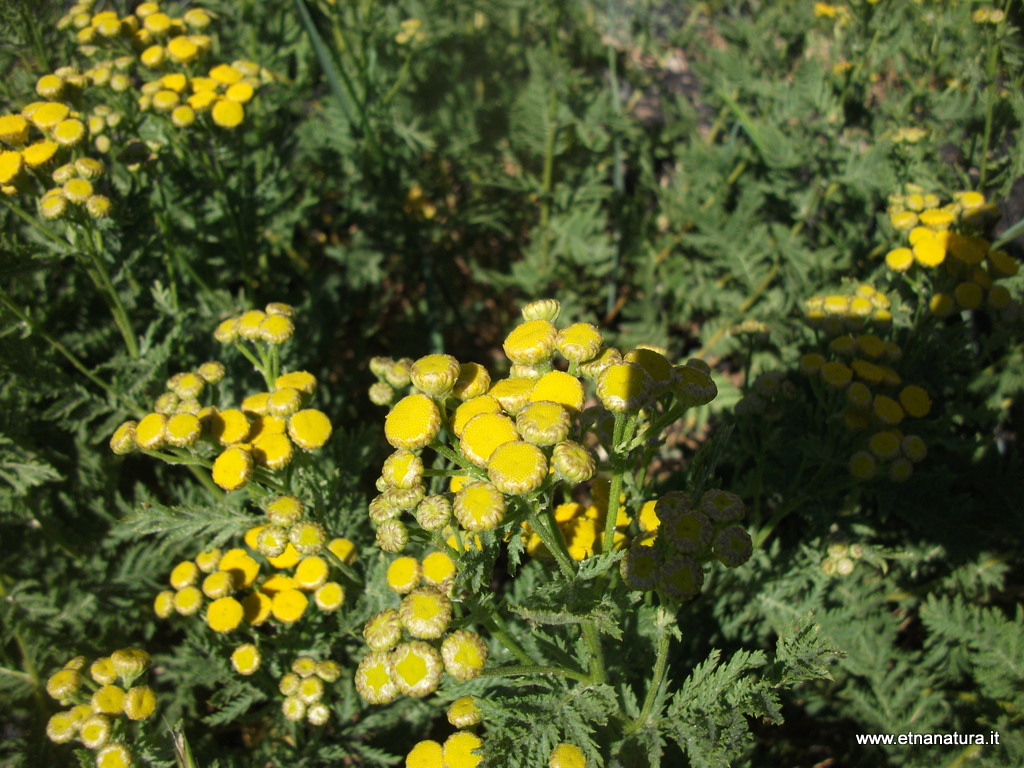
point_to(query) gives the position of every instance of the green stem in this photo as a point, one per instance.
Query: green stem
(658, 679)
(496, 624)
(101, 277)
(615, 489)
(993, 60)
(534, 669)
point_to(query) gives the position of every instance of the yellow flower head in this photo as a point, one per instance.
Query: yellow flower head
(181, 49)
(139, 702)
(425, 754)
(383, 630)
(512, 393)
(288, 605)
(114, 756)
(623, 387)
(225, 74)
(531, 342)
(425, 613)
(13, 130)
(438, 569)
(561, 388)
(542, 309)
(77, 190)
(108, 700)
(459, 750)
(274, 328)
(373, 678)
(63, 684)
(470, 408)
(301, 380)
(309, 428)
(543, 423)
(464, 712)
(473, 380)
(403, 575)
(416, 668)
(227, 113)
(862, 466)
(163, 604)
(413, 422)
(329, 596)
(915, 401)
(150, 431)
(246, 659)
(435, 375)
(479, 506)
(573, 462)
(39, 153)
(241, 566)
(464, 654)
(567, 755)
(182, 430)
(257, 608)
(517, 467)
(579, 342)
(311, 573)
(483, 434)
(233, 468)
(887, 410)
(10, 166)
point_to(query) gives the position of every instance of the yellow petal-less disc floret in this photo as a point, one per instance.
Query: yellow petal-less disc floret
(13, 130)
(517, 467)
(309, 428)
(460, 748)
(257, 608)
(149, 432)
(470, 408)
(479, 506)
(10, 166)
(311, 573)
(438, 569)
(108, 700)
(567, 755)
(464, 654)
(115, 755)
(373, 678)
(425, 613)
(139, 702)
(559, 387)
(425, 754)
(413, 422)
(531, 342)
(473, 380)
(182, 429)
(274, 329)
(224, 614)
(464, 712)
(273, 451)
(39, 153)
(229, 426)
(243, 568)
(403, 575)
(246, 659)
(483, 434)
(579, 342)
(402, 469)
(233, 468)
(512, 393)
(543, 423)
(915, 401)
(301, 380)
(623, 387)
(288, 605)
(416, 668)
(329, 596)
(227, 113)
(435, 375)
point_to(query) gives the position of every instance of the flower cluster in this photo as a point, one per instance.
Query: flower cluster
(841, 559)
(459, 750)
(170, 46)
(410, 646)
(515, 436)
(41, 155)
(850, 311)
(949, 242)
(680, 537)
(258, 435)
(229, 585)
(102, 701)
(304, 688)
(875, 401)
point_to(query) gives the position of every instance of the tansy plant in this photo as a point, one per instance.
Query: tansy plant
(525, 503)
